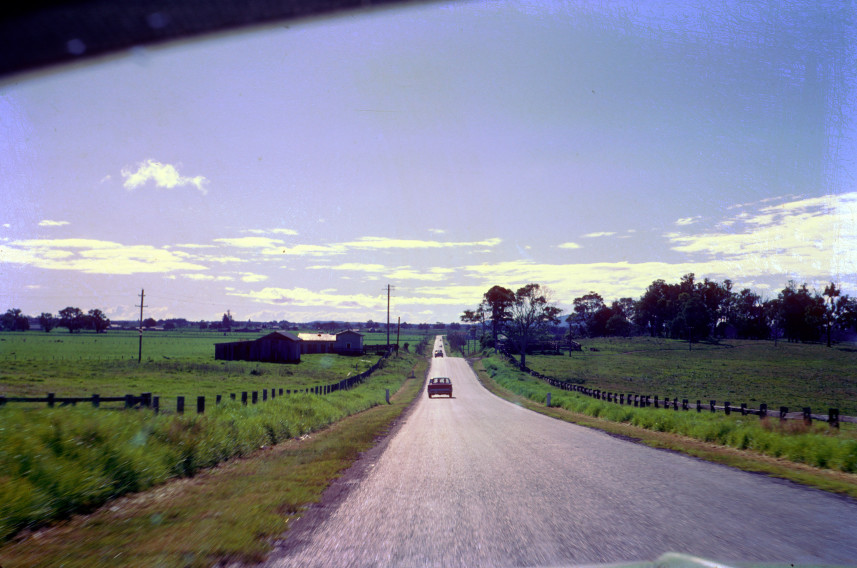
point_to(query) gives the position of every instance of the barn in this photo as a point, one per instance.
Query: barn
(276, 347)
(348, 343)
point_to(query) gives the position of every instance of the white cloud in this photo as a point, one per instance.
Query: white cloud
(49, 223)
(164, 175)
(684, 221)
(96, 257)
(599, 234)
(569, 246)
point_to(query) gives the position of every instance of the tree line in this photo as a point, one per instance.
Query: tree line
(691, 310)
(71, 318)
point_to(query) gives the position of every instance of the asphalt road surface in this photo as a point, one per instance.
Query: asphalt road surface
(477, 481)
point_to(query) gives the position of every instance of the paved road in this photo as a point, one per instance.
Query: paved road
(477, 481)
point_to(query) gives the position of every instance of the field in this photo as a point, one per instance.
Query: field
(58, 461)
(786, 374)
(173, 364)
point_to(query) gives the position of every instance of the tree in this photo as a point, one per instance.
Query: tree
(584, 317)
(498, 302)
(14, 320)
(531, 312)
(227, 321)
(47, 321)
(831, 292)
(72, 319)
(150, 322)
(96, 320)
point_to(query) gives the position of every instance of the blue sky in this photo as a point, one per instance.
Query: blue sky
(293, 171)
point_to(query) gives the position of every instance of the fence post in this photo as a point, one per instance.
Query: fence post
(711, 405)
(833, 417)
(743, 409)
(727, 408)
(200, 405)
(96, 400)
(783, 411)
(548, 400)
(50, 400)
(763, 411)
(218, 399)
(264, 395)
(180, 404)
(232, 395)
(244, 398)
(698, 405)
(622, 398)
(281, 392)
(807, 416)
(684, 404)
(255, 397)
(146, 399)
(156, 404)
(387, 395)
(129, 400)
(656, 401)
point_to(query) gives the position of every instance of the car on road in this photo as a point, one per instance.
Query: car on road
(438, 386)
(438, 353)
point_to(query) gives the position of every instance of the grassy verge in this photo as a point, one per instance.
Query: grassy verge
(795, 375)
(227, 513)
(728, 440)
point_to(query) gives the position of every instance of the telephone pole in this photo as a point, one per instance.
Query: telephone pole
(141, 306)
(388, 317)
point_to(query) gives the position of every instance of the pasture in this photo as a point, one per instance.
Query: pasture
(795, 375)
(176, 363)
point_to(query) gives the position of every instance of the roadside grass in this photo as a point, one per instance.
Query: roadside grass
(786, 374)
(813, 456)
(230, 513)
(55, 462)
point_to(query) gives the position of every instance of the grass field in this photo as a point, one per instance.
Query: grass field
(173, 364)
(786, 374)
(55, 462)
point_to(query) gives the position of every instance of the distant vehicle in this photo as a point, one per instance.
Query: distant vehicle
(438, 353)
(439, 385)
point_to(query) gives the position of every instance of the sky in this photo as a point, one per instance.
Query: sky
(294, 171)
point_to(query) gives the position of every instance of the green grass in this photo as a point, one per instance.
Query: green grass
(816, 446)
(228, 513)
(174, 364)
(55, 462)
(751, 372)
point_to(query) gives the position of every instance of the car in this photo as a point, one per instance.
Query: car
(438, 353)
(439, 385)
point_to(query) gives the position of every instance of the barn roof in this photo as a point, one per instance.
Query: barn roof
(316, 337)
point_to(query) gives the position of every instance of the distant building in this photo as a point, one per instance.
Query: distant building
(317, 342)
(349, 343)
(276, 347)
(343, 343)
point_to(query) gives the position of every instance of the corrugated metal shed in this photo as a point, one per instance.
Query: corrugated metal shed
(276, 347)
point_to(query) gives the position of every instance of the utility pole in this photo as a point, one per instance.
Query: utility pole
(140, 352)
(398, 326)
(388, 317)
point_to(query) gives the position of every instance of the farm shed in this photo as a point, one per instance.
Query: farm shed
(348, 343)
(317, 342)
(276, 347)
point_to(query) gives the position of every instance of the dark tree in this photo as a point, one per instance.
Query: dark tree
(150, 322)
(96, 320)
(47, 321)
(831, 292)
(72, 319)
(498, 303)
(531, 312)
(14, 320)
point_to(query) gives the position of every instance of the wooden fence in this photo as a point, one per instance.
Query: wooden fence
(147, 400)
(643, 400)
